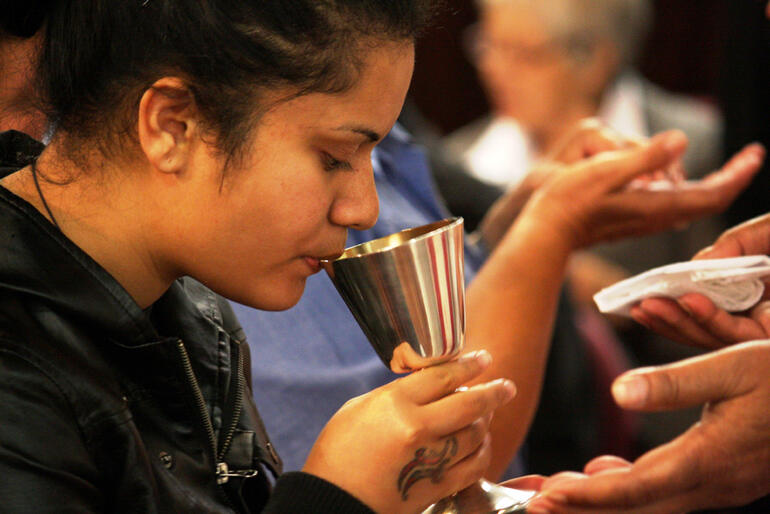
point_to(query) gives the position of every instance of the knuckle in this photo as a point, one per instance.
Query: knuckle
(446, 379)
(413, 435)
(479, 404)
(476, 433)
(663, 387)
(474, 467)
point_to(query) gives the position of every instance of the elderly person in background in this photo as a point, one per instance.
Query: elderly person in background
(546, 64)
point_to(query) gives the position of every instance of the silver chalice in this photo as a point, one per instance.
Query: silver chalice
(407, 292)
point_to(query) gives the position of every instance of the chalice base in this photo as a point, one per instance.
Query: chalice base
(483, 498)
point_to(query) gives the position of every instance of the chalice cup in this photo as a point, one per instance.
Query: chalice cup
(407, 292)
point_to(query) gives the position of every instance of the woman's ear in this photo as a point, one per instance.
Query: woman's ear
(167, 124)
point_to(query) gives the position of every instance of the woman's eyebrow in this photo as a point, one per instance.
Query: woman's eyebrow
(370, 134)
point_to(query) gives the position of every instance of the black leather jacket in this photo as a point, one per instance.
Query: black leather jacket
(105, 407)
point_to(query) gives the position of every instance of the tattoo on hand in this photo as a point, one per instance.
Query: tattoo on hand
(426, 464)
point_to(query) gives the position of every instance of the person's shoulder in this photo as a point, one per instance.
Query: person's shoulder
(41, 351)
(29, 374)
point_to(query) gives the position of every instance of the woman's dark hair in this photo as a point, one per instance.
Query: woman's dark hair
(22, 18)
(101, 55)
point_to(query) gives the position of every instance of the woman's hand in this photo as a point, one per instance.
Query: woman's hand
(693, 319)
(591, 201)
(587, 138)
(414, 441)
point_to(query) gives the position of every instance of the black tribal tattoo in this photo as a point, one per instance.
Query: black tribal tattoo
(426, 464)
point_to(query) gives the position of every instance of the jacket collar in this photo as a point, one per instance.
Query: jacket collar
(17, 150)
(38, 261)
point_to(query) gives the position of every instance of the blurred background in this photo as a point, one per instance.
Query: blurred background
(714, 50)
(699, 65)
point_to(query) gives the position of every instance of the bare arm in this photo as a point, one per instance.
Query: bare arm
(511, 303)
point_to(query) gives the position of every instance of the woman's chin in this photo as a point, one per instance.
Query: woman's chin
(277, 299)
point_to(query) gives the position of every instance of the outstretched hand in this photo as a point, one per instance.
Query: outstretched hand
(693, 319)
(587, 138)
(724, 460)
(591, 201)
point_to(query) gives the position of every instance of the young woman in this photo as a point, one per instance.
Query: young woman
(228, 141)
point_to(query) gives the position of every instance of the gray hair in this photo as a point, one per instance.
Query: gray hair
(624, 23)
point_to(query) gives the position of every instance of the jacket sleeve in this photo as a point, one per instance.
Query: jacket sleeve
(44, 464)
(302, 492)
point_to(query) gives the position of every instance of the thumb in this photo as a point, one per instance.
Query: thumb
(615, 169)
(749, 238)
(683, 384)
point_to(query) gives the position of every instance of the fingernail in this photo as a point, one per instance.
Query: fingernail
(480, 356)
(484, 358)
(508, 386)
(631, 391)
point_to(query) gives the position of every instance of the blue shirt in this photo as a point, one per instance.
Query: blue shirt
(309, 360)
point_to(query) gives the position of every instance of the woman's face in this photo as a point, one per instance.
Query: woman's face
(258, 229)
(526, 73)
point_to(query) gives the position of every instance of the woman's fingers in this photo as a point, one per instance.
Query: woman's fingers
(470, 469)
(430, 384)
(590, 138)
(749, 238)
(604, 463)
(438, 460)
(740, 168)
(614, 170)
(526, 483)
(455, 411)
(729, 328)
(644, 210)
(694, 319)
(667, 318)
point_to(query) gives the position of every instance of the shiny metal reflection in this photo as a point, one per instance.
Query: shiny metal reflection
(484, 497)
(407, 293)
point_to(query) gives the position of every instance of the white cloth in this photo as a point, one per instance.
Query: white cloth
(502, 154)
(733, 284)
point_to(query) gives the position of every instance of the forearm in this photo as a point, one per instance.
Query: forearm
(510, 312)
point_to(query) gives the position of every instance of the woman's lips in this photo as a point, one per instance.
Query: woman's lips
(313, 263)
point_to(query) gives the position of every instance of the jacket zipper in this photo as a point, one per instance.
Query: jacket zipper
(239, 379)
(221, 469)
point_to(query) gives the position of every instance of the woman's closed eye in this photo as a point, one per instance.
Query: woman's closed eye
(330, 163)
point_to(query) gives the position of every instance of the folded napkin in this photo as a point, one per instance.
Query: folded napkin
(733, 284)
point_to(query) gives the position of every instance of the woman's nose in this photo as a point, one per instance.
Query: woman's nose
(356, 205)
